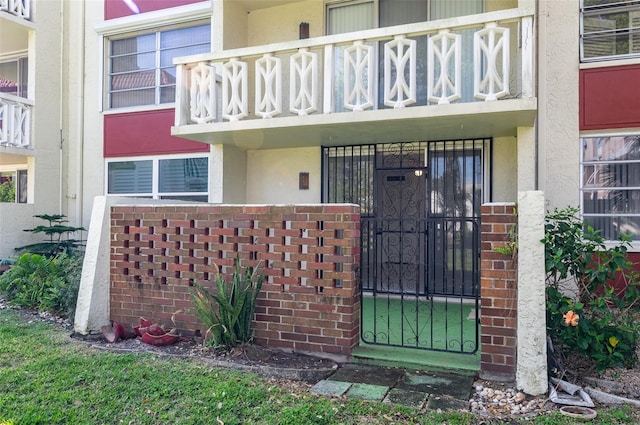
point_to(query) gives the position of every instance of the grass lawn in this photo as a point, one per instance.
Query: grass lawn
(46, 378)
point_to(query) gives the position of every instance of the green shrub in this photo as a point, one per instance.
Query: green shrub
(228, 312)
(7, 192)
(59, 237)
(604, 329)
(45, 283)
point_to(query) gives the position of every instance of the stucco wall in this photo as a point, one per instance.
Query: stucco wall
(44, 159)
(281, 23)
(272, 175)
(234, 25)
(558, 23)
(82, 125)
(504, 182)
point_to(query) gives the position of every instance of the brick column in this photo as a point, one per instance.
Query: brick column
(498, 292)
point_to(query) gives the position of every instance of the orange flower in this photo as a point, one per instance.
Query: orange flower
(571, 318)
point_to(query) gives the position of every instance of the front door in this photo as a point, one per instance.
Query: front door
(420, 238)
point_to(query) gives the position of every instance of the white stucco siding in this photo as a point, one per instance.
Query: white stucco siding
(83, 123)
(504, 181)
(272, 175)
(14, 218)
(234, 175)
(281, 23)
(558, 133)
(234, 25)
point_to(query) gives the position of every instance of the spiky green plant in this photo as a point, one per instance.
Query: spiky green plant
(228, 312)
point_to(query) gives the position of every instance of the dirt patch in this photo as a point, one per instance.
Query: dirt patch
(248, 357)
(245, 354)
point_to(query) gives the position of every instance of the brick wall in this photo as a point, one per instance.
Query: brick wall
(498, 313)
(310, 253)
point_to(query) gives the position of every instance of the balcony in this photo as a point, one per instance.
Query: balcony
(461, 77)
(18, 8)
(15, 121)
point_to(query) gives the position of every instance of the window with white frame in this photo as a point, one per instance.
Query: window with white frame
(610, 188)
(13, 186)
(609, 29)
(13, 77)
(141, 70)
(180, 178)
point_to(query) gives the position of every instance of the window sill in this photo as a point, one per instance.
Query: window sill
(605, 63)
(143, 108)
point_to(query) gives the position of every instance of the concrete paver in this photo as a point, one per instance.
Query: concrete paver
(457, 386)
(331, 388)
(414, 388)
(368, 392)
(365, 374)
(406, 398)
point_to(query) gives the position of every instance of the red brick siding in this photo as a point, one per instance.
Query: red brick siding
(309, 301)
(498, 291)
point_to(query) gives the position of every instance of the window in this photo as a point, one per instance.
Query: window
(610, 29)
(141, 70)
(175, 178)
(610, 189)
(356, 15)
(13, 77)
(13, 186)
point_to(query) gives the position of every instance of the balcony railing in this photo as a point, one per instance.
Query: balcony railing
(484, 57)
(19, 8)
(15, 121)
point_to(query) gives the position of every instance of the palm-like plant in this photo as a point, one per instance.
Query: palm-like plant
(228, 312)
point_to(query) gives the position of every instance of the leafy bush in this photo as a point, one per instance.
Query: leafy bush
(7, 192)
(598, 322)
(59, 235)
(46, 283)
(228, 312)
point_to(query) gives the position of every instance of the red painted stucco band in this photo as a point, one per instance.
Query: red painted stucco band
(119, 8)
(610, 97)
(145, 133)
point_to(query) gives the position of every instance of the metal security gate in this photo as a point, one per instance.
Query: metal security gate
(420, 205)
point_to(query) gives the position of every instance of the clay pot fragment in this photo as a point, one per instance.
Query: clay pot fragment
(167, 338)
(143, 325)
(125, 331)
(112, 333)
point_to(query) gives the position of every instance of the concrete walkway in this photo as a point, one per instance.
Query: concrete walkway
(415, 388)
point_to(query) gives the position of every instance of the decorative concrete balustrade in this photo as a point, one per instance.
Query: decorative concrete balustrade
(484, 57)
(19, 8)
(15, 121)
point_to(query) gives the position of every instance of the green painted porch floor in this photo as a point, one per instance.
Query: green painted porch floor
(413, 388)
(447, 324)
(390, 326)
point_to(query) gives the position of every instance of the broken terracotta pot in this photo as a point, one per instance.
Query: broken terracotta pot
(125, 331)
(160, 340)
(112, 333)
(143, 326)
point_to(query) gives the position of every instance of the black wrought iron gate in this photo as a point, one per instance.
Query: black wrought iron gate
(420, 238)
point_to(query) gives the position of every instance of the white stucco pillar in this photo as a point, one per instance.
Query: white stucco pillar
(93, 303)
(531, 369)
(92, 308)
